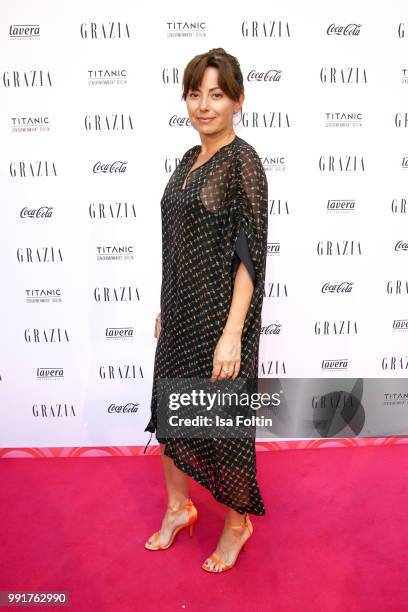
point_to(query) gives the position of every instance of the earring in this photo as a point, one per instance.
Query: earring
(240, 119)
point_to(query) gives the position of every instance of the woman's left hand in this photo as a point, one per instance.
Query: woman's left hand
(227, 356)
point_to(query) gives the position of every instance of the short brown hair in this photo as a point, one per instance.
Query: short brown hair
(230, 77)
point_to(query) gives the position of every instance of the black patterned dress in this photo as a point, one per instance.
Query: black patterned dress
(218, 219)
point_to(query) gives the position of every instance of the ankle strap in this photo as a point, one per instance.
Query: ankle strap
(185, 505)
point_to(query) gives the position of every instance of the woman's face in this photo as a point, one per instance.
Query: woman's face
(209, 108)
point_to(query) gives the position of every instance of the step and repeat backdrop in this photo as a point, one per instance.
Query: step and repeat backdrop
(92, 127)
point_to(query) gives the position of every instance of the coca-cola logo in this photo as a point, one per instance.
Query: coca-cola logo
(129, 407)
(401, 246)
(175, 120)
(37, 213)
(269, 75)
(272, 328)
(114, 167)
(344, 287)
(351, 29)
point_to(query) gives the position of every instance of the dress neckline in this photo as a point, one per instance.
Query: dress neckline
(198, 147)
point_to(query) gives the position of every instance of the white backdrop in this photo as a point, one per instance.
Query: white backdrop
(80, 225)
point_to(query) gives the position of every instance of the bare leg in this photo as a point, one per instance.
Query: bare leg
(177, 481)
(177, 485)
(230, 540)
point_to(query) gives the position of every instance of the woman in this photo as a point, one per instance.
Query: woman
(214, 233)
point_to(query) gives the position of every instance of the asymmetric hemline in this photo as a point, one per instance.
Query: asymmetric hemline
(219, 219)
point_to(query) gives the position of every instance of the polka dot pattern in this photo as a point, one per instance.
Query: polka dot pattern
(217, 220)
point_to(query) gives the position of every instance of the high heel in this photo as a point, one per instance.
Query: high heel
(226, 566)
(192, 518)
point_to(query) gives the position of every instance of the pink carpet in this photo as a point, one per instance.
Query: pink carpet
(334, 537)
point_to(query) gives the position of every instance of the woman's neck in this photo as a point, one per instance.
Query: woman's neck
(211, 143)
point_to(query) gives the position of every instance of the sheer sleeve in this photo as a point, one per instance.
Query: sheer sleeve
(251, 216)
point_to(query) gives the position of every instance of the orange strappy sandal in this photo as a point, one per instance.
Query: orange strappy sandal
(192, 518)
(226, 566)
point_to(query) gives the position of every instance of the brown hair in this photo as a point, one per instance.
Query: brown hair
(230, 76)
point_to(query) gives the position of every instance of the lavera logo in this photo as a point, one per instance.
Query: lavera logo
(116, 167)
(54, 373)
(17, 31)
(345, 206)
(273, 74)
(273, 248)
(351, 29)
(334, 364)
(400, 324)
(112, 333)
